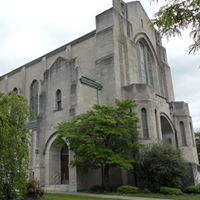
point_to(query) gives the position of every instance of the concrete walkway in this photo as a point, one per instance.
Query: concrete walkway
(117, 197)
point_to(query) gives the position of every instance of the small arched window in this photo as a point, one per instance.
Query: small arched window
(15, 90)
(144, 123)
(157, 127)
(58, 100)
(34, 99)
(183, 136)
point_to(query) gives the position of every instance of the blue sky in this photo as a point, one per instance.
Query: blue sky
(31, 28)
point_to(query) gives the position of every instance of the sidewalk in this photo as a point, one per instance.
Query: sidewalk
(109, 196)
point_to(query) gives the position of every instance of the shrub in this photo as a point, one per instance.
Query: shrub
(34, 190)
(7, 192)
(161, 164)
(101, 189)
(193, 189)
(144, 190)
(97, 189)
(127, 189)
(170, 190)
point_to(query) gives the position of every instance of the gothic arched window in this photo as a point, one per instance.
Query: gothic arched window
(183, 136)
(144, 123)
(146, 62)
(58, 100)
(34, 99)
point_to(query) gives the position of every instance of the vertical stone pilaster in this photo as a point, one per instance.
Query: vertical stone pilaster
(72, 174)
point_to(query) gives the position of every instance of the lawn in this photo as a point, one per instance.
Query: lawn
(51, 196)
(177, 197)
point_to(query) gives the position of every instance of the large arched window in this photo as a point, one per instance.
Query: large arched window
(144, 123)
(145, 62)
(34, 99)
(58, 99)
(143, 69)
(183, 136)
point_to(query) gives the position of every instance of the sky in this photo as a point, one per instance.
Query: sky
(31, 28)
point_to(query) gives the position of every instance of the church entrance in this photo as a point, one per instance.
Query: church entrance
(64, 165)
(58, 164)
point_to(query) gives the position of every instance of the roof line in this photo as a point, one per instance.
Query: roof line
(51, 53)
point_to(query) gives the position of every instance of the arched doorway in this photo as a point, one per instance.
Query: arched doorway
(58, 164)
(168, 133)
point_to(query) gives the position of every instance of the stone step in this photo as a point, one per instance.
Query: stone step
(62, 188)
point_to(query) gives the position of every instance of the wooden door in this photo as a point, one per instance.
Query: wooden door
(64, 165)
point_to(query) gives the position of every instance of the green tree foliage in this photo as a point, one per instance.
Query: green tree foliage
(197, 136)
(178, 15)
(161, 165)
(14, 111)
(103, 137)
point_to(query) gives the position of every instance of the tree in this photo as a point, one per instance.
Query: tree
(178, 15)
(197, 137)
(14, 111)
(103, 137)
(161, 165)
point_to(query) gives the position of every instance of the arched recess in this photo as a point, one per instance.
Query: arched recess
(168, 130)
(56, 161)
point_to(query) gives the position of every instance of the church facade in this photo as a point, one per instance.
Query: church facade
(121, 59)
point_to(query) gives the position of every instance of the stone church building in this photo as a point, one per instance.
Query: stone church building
(121, 59)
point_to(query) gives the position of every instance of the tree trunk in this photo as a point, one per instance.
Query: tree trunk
(105, 176)
(135, 176)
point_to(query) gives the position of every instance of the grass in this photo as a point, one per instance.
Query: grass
(51, 196)
(177, 197)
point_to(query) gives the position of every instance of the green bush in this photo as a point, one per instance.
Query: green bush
(7, 192)
(160, 164)
(170, 190)
(127, 189)
(193, 189)
(97, 189)
(100, 189)
(34, 190)
(144, 190)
